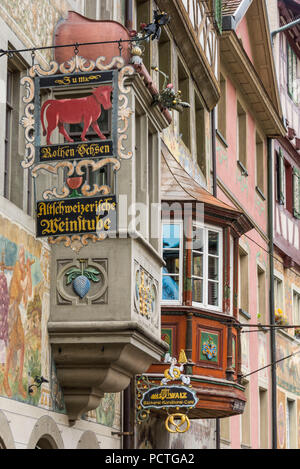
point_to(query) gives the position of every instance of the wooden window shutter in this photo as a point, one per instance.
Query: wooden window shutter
(296, 193)
(280, 177)
(292, 74)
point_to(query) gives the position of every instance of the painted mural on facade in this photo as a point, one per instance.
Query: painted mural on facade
(108, 412)
(24, 312)
(288, 371)
(24, 307)
(182, 155)
(281, 414)
(36, 18)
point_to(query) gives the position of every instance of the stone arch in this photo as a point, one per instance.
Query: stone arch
(45, 435)
(6, 437)
(88, 440)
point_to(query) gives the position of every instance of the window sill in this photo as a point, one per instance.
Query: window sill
(207, 308)
(245, 313)
(245, 446)
(260, 192)
(242, 168)
(223, 140)
(170, 303)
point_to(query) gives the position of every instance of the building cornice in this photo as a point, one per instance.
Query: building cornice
(243, 73)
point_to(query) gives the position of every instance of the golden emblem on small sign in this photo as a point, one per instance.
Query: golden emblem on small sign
(181, 427)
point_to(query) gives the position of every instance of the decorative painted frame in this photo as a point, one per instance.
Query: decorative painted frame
(146, 300)
(172, 328)
(206, 363)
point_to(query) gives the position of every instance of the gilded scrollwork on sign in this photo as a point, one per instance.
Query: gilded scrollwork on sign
(97, 164)
(27, 122)
(76, 242)
(117, 62)
(124, 112)
(38, 70)
(53, 169)
(29, 87)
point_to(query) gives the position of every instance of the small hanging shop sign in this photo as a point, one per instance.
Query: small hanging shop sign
(166, 397)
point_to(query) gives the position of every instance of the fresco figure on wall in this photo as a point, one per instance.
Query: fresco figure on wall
(20, 290)
(4, 301)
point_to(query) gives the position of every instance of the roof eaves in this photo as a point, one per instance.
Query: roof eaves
(231, 22)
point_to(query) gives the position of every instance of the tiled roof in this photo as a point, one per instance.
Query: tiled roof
(229, 7)
(177, 184)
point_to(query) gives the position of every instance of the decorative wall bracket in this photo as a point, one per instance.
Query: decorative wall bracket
(168, 97)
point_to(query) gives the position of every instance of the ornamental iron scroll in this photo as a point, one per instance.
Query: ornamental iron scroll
(69, 164)
(164, 397)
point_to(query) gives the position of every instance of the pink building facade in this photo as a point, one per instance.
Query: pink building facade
(248, 115)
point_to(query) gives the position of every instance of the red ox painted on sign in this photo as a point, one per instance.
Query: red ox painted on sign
(74, 111)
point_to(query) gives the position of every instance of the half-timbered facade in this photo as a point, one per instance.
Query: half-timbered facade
(286, 196)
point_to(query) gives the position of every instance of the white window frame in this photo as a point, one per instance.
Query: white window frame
(280, 277)
(205, 305)
(263, 270)
(242, 252)
(296, 290)
(179, 301)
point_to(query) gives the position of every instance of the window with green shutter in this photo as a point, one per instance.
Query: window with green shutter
(218, 14)
(296, 193)
(280, 178)
(292, 74)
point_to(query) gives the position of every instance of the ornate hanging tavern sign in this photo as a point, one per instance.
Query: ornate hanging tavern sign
(72, 133)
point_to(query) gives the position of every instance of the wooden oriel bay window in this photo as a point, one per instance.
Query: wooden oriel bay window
(201, 266)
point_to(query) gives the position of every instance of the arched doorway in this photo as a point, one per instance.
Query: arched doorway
(46, 442)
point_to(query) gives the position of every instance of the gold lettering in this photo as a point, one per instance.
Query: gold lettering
(42, 209)
(73, 225)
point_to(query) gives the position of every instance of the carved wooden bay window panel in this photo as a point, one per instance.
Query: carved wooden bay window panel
(199, 309)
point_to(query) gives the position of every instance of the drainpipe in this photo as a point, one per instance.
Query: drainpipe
(284, 28)
(128, 410)
(214, 169)
(213, 150)
(271, 293)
